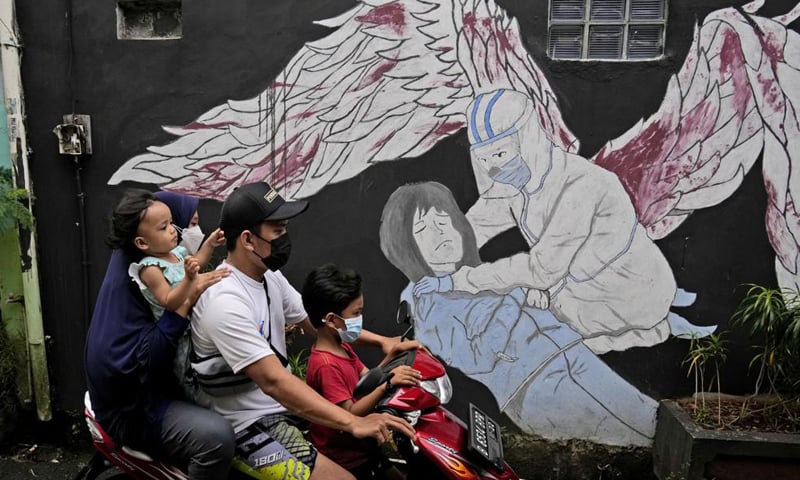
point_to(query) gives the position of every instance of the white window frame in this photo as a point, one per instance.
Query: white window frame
(586, 23)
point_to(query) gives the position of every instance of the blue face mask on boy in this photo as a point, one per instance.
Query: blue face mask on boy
(352, 329)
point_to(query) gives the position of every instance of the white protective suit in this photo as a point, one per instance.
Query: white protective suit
(603, 274)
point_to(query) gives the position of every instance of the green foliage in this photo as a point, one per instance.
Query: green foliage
(13, 210)
(773, 315)
(8, 369)
(299, 364)
(705, 353)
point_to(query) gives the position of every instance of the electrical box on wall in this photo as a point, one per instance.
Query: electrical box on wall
(74, 135)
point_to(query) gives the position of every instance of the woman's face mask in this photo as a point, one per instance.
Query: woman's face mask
(352, 329)
(192, 239)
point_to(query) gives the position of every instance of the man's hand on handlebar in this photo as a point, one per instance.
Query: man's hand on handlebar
(380, 426)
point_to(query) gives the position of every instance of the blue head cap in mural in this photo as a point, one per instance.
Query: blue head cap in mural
(500, 125)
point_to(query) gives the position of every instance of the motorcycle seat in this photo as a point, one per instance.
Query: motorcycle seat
(87, 403)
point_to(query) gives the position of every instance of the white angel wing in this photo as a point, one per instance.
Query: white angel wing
(393, 79)
(736, 95)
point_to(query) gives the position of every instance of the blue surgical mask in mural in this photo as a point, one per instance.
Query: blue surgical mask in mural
(515, 172)
(352, 329)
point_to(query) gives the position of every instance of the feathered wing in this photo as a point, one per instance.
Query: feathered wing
(735, 96)
(391, 80)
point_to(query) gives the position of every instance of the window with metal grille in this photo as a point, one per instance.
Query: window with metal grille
(149, 19)
(606, 29)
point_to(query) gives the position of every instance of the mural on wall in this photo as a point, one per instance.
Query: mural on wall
(540, 371)
(396, 77)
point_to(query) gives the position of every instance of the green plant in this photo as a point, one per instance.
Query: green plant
(774, 315)
(706, 352)
(13, 210)
(299, 364)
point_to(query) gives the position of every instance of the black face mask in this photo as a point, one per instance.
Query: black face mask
(281, 248)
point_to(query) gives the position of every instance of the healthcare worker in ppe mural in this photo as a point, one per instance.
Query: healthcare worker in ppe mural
(590, 260)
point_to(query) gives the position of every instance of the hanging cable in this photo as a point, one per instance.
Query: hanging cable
(81, 196)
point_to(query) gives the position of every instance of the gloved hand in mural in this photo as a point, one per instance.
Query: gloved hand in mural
(602, 274)
(434, 284)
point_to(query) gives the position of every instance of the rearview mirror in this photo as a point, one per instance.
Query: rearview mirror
(403, 313)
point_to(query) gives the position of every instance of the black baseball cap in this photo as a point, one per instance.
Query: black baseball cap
(254, 203)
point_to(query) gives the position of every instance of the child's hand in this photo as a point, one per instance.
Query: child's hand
(192, 267)
(401, 347)
(216, 239)
(205, 280)
(405, 376)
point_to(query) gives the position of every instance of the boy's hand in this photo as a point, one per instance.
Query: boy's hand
(404, 375)
(216, 239)
(191, 268)
(401, 347)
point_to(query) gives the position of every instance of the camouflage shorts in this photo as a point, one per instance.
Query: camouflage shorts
(274, 447)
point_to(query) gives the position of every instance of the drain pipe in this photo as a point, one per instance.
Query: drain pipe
(18, 145)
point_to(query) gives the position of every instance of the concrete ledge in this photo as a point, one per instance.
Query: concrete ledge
(683, 451)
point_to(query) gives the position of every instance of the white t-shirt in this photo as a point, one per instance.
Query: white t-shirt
(228, 319)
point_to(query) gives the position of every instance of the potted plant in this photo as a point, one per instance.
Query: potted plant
(757, 436)
(705, 352)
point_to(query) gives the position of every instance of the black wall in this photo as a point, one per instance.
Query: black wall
(232, 50)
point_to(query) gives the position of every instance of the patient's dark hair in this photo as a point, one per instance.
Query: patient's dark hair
(397, 220)
(329, 289)
(125, 218)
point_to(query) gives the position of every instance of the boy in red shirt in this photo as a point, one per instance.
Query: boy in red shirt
(333, 300)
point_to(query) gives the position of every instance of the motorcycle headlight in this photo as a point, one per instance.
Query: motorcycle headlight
(440, 388)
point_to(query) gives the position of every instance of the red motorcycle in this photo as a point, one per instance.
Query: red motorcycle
(443, 442)
(133, 463)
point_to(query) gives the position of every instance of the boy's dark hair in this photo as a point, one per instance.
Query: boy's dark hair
(125, 218)
(329, 289)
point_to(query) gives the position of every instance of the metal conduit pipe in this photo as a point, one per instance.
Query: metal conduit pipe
(18, 144)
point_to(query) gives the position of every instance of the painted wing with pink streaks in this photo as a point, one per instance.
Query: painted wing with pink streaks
(735, 97)
(391, 80)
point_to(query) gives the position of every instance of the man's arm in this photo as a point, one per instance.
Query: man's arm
(388, 345)
(302, 400)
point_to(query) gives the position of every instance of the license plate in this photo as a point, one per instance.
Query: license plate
(484, 437)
